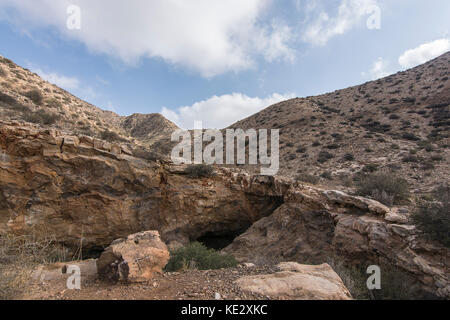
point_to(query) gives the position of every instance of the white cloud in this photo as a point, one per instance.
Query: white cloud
(68, 83)
(207, 36)
(322, 27)
(424, 53)
(380, 69)
(221, 111)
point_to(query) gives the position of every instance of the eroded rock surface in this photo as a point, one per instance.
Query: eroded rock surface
(312, 227)
(87, 192)
(136, 258)
(298, 282)
(84, 190)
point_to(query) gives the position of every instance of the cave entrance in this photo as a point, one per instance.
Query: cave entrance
(220, 236)
(220, 240)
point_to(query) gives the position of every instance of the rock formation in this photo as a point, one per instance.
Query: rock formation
(87, 192)
(135, 258)
(298, 282)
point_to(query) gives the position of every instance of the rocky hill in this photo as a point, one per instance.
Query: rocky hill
(83, 177)
(399, 123)
(26, 97)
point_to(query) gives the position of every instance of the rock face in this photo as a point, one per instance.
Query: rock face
(136, 258)
(59, 271)
(86, 192)
(299, 282)
(314, 225)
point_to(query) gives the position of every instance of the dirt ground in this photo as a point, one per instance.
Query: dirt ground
(187, 285)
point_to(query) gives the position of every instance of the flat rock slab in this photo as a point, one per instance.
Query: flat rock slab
(58, 271)
(298, 282)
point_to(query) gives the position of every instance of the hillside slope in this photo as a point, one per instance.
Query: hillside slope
(26, 97)
(399, 123)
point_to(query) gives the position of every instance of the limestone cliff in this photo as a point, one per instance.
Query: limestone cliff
(87, 192)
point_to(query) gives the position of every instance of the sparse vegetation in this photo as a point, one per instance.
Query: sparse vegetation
(395, 284)
(197, 256)
(19, 255)
(111, 136)
(53, 103)
(41, 117)
(349, 157)
(35, 95)
(324, 156)
(410, 159)
(371, 167)
(327, 175)
(410, 136)
(308, 178)
(199, 171)
(433, 216)
(384, 187)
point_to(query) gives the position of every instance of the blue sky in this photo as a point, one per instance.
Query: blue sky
(213, 60)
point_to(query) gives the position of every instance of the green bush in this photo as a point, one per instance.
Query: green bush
(383, 186)
(197, 256)
(35, 95)
(433, 217)
(199, 171)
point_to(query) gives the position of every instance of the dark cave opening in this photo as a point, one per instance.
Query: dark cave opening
(222, 235)
(220, 240)
(93, 252)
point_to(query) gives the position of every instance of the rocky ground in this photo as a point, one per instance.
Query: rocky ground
(186, 285)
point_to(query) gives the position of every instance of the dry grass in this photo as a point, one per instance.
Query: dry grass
(19, 256)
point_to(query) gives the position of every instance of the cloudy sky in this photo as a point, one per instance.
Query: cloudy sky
(214, 60)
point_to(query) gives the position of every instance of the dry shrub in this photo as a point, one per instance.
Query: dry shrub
(308, 178)
(41, 117)
(395, 283)
(2, 72)
(35, 95)
(200, 171)
(19, 256)
(433, 216)
(384, 187)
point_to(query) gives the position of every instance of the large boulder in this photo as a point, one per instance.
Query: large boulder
(135, 258)
(298, 282)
